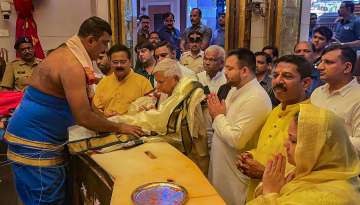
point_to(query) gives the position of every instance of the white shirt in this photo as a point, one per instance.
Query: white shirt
(213, 83)
(246, 112)
(345, 103)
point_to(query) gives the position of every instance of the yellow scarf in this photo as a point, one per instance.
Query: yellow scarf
(327, 166)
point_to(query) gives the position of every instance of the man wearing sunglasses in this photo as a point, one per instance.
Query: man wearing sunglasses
(116, 92)
(195, 18)
(18, 72)
(193, 58)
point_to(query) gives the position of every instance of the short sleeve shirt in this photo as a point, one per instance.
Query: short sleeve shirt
(171, 36)
(17, 74)
(348, 30)
(193, 63)
(218, 37)
(142, 36)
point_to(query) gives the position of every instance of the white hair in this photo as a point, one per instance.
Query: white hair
(220, 51)
(169, 66)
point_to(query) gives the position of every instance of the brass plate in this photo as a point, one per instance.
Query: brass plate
(160, 193)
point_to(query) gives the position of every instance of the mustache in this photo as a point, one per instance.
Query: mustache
(280, 86)
(119, 69)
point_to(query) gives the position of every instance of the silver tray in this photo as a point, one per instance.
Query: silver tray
(160, 193)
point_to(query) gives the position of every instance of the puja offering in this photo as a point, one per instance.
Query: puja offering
(160, 193)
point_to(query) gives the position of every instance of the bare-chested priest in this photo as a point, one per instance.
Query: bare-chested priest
(57, 97)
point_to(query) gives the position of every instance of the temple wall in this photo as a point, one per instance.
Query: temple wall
(56, 21)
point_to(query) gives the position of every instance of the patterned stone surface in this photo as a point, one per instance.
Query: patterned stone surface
(290, 25)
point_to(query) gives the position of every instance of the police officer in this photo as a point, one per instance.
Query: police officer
(18, 72)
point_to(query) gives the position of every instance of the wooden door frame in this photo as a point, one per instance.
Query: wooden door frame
(117, 18)
(238, 24)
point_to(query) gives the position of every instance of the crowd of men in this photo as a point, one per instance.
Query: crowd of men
(251, 97)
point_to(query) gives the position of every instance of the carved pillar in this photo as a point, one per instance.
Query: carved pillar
(288, 21)
(115, 14)
(238, 24)
(123, 21)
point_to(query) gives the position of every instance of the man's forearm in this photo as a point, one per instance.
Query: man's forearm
(97, 111)
(95, 122)
(353, 44)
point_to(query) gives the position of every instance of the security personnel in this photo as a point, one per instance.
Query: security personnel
(193, 59)
(18, 72)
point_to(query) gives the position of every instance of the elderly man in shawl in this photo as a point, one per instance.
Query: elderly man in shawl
(57, 97)
(178, 119)
(326, 164)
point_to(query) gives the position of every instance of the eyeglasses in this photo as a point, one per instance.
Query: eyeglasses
(212, 60)
(119, 62)
(195, 40)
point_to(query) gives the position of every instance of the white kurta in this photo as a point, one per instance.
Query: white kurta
(214, 85)
(345, 103)
(246, 112)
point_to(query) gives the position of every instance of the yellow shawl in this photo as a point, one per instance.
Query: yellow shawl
(167, 121)
(327, 166)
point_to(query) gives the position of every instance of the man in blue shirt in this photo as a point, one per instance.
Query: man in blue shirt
(169, 33)
(348, 27)
(219, 34)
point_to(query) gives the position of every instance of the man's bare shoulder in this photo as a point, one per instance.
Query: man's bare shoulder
(61, 65)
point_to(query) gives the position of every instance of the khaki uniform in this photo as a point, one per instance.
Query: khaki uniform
(195, 64)
(17, 74)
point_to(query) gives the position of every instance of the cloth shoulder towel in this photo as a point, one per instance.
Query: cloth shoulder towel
(76, 47)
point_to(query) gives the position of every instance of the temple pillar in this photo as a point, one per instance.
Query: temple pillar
(288, 22)
(238, 24)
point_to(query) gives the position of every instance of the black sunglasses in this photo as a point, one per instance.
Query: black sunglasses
(195, 40)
